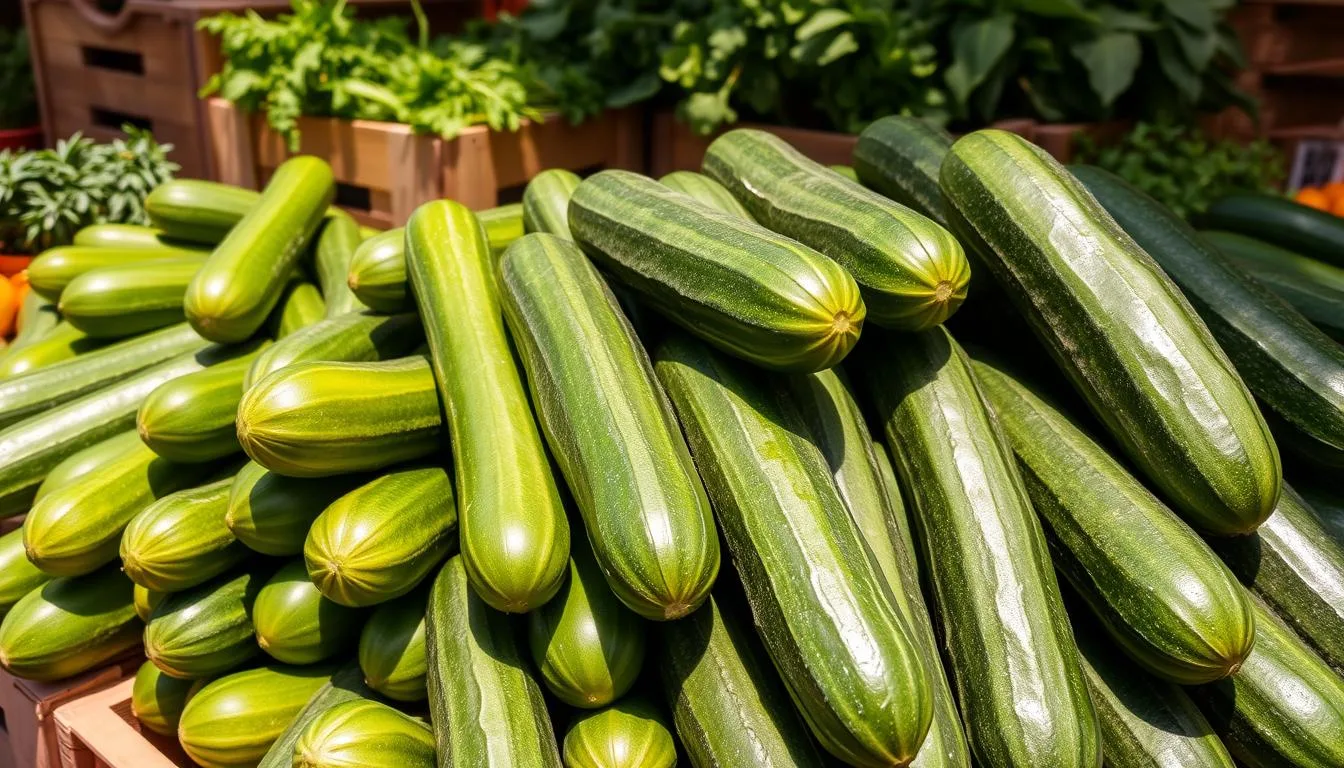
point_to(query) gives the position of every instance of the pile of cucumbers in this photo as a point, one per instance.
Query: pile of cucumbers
(733, 468)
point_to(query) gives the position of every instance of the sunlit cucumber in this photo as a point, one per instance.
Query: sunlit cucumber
(392, 647)
(69, 625)
(296, 625)
(271, 513)
(180, 540)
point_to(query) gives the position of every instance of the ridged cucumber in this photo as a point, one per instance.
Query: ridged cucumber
(191, 418)
(1010, 651)
(1118, 327)
(514, 534)
(1314, 288)
(54, 269)
(296, 625)
(135, 236)
(145, 601)
(354, 337)
(87, 460)
(206, 630)
(899, 157)
(336, 245)
(180, 540)
(611, 429)
(364, 734)
(377, 274)
(748, 291)
(69, 625)
(392, 647)
(157, 700)
(233, 721)
(705, 191)
(1276, 219)
(300, 306)
(18, 576)
(271, 513)
(1328, 505)
(61, 342)
(546, 202)
(846, 654)
(503, 225)
(628, 734)
(196, 211)
(345, 685)
(900, 519)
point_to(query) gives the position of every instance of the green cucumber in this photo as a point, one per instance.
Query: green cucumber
(503, 224)
(1283, 222)
(206, 630)
(35, 318)
(378, 273)
(748, 291)
(145, 601)
(514, 534)
(296, 625)
(378, 541)
(1314, 288)
(487, 710)
(611, 429)
(365, 231)
(1118, 327)
(196, 211)
(912, 272)
(353, 337)
(1289, 365)
(55, 269)
(69, 625)
(392, 647)
(899, 157)
(180, 540)
(61, 342)
(845, 170)
(271, 513)
(364, 734)
(705, 191)
(320, 419)
(848, 657)
(546, 202)
(130, 236)
(300, 306)
(1328, 506)
(345, 685)
(157, 700)
(246, 274)
(87, 460)
(1009, 648)
(18, 576)
(628, 734)
(191, 418)
(588, 648)
(900, 518)
(233, 721)
(336, 245)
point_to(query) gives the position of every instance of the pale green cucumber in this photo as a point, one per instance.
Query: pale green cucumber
(36, 318)
(300, 306)
(87, 460)
(198, 211)
(191, 418)
(377, 274)
(295, 624)
(271, 513)
(628, 734)
(706, 191)
(145, 601)
(206, 630)
(546, 202)
(18, 576)
(68, 626)
(55, 269)
(157, 700)
(345, 685)
(336, 245)
(353, 337)
(364, 734)
(392, 647)
(503, 224)
(233, 721)
(116, 302)
(61, 342)
(135, 236)
(180, 540)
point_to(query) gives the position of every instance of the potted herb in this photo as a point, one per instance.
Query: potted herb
(19, 125)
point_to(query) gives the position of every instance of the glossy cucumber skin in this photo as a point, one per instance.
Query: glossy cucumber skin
(746, 290)
(546, 202)
(503, 225)
(34, 317)
(206, 630)
(55, 269)
(814, 591)
(121, 301)
(1118, 328)
(392, 647)
(364, 734)
(180, 540)
(352, 337)
(1328, 505)
(899, 157)
(912, 272)
(271, 513)
(299, 306)
(196, 211)
(145, 601)
(345, 685)
(191, 418)
(377, 273)
(296, 625)
(233, 721)
(628, 734)
(61, 342)
(706, 191)
(1301, 228)
(69, 625)
(611, 429)
(1314, 288)
(132, 236)
(18, 576)
(87, 460)
(244, 277)
(981, 541)
(336, 244)
(157, 700)
(513, 529)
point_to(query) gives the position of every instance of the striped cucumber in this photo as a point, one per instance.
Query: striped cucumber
(130, 236)
(514, 534)
(392, 647)
(197, 211)
(899, 157)
(345, 685)
(18, 576)
(87, 460)
(503, 225)
(814, 591)
(55, 269)
(628, 734)
(180, 540)
(1328, 504)
(271, 513)
(296, 625)
(546, 202)
(206, 630)
(1118, 327)
(1314, 288)
(336, 245)
(191, 418)
(611, 429)
(900, 519)
(69, 625)
(61, 342)
(377, 274)
(145, 601)
(233, 721)
(1276, 219)
(705, 191)
(353, 337)
(746, 290)
(157, 700)
(912, 272)
(300, 306)
(362, 733)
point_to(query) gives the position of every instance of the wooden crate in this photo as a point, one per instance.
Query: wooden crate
(1290, 38)
(28, 707)
(99, 731)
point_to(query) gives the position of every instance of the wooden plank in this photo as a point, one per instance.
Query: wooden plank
(100, 731)
(163, 43)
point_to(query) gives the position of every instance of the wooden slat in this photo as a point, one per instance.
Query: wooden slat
(99, 731)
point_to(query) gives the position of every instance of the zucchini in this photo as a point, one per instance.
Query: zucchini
(504, 482)
(69, 625)
(206, 630)
(87, 460)
(705, 191)
(246, 274)
(56, 268)
(1118, 327)
(1314, 288)
(36, 319)
(628, 734)
(1328, 506)
(742, 288)
(546, 202)
(1290, 366)
(320, 419)
(353, 337)
(1283, 222)
(345, 685)
(296, 625)
(233, 721)
(180, 540)
(381, 539)
(18, 576)
(588, 648)
(196, 211)
(912, 272)
(487, 710)
(129, 236)
(1014, 666)
(845, 170)
(362, 733)
(392, 647)
(378, 273)
(61, 342)
(145, 601)
(300, 306)
(899, 157)
(336, 244)
(503, 224)
(847, 656)
(191, 418)
(157, 700)
(271, 513)
(611, 430)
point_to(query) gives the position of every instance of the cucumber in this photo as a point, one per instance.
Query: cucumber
(40, 391)
(180, 540)
(831, 627)
(1314, 288)
(145, 601)
(1292, 368)
(503, 224)
(378, 541)
(87, 460)
(157, 700)
(912, 272)
(1297, 568)
(130, 236)
(320, 419)
(55, 269)
(504, 482)
(1118, 327)
(364, 734)
(845, 170)
(392, 647)
(611, 429)
(900, 519)
(206, 630)
(196, 211)
(68, 626)
(246, 274)
(191, 418)
(705, 191)
(18, 577)
(1014, 666)
(487, 710)
(296, 625)
(345, 685)
(271, 514)
(336, 245)
(300, 306)
(233, 721)
(35, 319)
(1283, 222)
(587, 647)
(1328, 506)
(378, 273)
(628, 734)
(899, 157)
(353, 337)
(61, 342)
(546, 202)
(733, 283)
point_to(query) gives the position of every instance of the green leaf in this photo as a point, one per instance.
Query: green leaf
(1199, 46)
(823, 21)
(1111, 61)
(1115, 20)
(1175, 66)
(977, 48)
(1197, 13)
(635, 91)
(1060, 9)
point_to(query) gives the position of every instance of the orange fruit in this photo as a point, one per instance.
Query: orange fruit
(1315, 198)
(8, 308)
(1337, 207)
(19, 282)
(1335, 191)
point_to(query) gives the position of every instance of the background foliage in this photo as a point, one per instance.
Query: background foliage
(18, 106)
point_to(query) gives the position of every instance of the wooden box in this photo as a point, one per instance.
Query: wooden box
(28, 707)
(99, 731)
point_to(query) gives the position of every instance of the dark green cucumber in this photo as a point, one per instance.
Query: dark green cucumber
(206, 630)
(180, 540)
(513, 529)
(354, 337)
(18, 576)
(831, 627)
(546, 202)
(628, 734)
(748, 291)
(157, 700)
(145, 601)
(487, 710)
(1283, 222)
(912, 272)
(378, 541)
(54, 270)
(365, 734)
(271, 513)
(233, 721)
(336, 245)
(1118, 327)
(296, 625)
(191, 418)
(345, 685)
(899, 157)
(320, 419)
(377, 274)
(392, 647)
(61, 342)
(706, 191)
(87, 460)
(900, 519)
(135, 236)
(1329, 508)
(300, 306)
(196, 211)
(69, 625)
(588, 648)
(1014, 666)
(1159, 590)
(1289, 365)
(1314, 288)
(246, 274)
(611, 429)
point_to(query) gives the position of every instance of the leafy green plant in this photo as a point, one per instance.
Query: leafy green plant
(18, 99)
